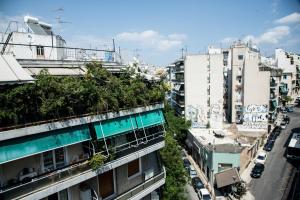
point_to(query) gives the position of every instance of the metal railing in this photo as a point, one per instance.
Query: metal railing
(80, 167)
(140, 188)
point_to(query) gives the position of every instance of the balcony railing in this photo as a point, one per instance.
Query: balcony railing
(44, 180)
(273, 84)
(144, 186)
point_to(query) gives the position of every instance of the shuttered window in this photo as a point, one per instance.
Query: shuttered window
(133, 168)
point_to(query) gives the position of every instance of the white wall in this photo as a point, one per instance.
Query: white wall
(196, 85)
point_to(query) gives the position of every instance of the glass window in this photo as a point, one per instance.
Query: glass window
(59, 157)
(40, 50)
(133, 167)
(48, 161)
(240, 57)
(284, 76)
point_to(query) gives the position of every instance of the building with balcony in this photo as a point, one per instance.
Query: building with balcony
(290, 63)
(35, 47)
(50, 159)
(178, 92)
(249, 99)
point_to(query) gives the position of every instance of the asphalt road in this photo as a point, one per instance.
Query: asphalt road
(274, 181)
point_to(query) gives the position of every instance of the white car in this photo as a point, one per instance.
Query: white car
(283, 125)
(203, 194)
(193, 172)
(261, 158)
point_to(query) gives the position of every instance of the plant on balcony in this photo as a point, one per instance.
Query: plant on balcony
(97, 161)
(53, 97)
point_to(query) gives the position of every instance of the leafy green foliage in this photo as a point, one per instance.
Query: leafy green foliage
(177, 126)
(176, 174)
(52, 97)
(97, 161)
(240, 190)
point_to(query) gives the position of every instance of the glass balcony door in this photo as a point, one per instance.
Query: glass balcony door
(53, 159)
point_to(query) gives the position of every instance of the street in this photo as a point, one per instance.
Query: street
(277, 174)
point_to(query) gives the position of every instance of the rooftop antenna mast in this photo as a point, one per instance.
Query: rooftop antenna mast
(58, 19)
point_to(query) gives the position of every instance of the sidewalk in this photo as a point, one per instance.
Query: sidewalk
(201, 175)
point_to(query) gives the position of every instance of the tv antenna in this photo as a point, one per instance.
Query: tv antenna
(58, 18)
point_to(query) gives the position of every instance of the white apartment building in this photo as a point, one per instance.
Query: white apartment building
(249, 89)
(290, 63)
(203, 88)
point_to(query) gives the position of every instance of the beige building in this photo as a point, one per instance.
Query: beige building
(249, 89)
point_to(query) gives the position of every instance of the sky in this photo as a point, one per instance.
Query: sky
(157, 30)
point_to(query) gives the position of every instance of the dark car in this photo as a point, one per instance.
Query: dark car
(286, 119)
(269, 145)
(290, 109)
(197, 183)
(186, 164)
(257, 170)
(272, 136)
(277, 130)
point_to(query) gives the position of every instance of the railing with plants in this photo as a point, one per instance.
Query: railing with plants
(94, 162)
(53, 98)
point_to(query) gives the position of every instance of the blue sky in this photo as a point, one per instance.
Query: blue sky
(157, 30)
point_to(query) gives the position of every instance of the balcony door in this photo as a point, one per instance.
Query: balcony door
(53, 159)
(106, 184)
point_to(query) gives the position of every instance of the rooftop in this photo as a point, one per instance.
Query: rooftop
(221, 140)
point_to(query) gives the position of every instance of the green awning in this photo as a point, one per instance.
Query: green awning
(128, 123)
(26, 146)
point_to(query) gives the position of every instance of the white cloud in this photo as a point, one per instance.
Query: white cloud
(289, 19)
(153, 39)
(271, 36)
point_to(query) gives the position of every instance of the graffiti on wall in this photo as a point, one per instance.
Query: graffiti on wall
(255, 116)
(197, 115)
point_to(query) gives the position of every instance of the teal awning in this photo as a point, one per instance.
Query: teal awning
(128, 123)
(25, 146)
(274, 103)
(283, 89)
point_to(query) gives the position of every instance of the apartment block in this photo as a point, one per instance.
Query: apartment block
(249, 99)
(49, 160)
(289, 63)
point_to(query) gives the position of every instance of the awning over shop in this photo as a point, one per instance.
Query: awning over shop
(26, 146)
(11, 71)
(227, 177)
(128, 123)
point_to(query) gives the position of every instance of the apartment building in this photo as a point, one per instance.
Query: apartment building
(35, 47)
(198, 88)
(290, 81)
(49, 160)
(249, 99)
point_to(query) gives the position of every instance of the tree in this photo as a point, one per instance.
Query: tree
(176, 174)
(177, 126)
(239, 190)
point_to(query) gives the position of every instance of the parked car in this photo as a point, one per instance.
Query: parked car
(283, 125)
(277, 130)
(269, 145)
(261, 158)
(257, 170)
(186, 164)
(193, 172)
(272, 136)
(286, 119)
(203, 194)
(290, 109)
(197, 184)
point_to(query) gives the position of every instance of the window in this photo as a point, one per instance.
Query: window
(240, 57)
(40, 51)
(133, 168)
(224, 166)
(54, 159)
(284, 76)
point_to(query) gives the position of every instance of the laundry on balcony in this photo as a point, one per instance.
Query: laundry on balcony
(34, 144)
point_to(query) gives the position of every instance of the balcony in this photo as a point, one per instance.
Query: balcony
(272, 96)
(273, 84)
(73, 174)
(145, 188)
(239, 73)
